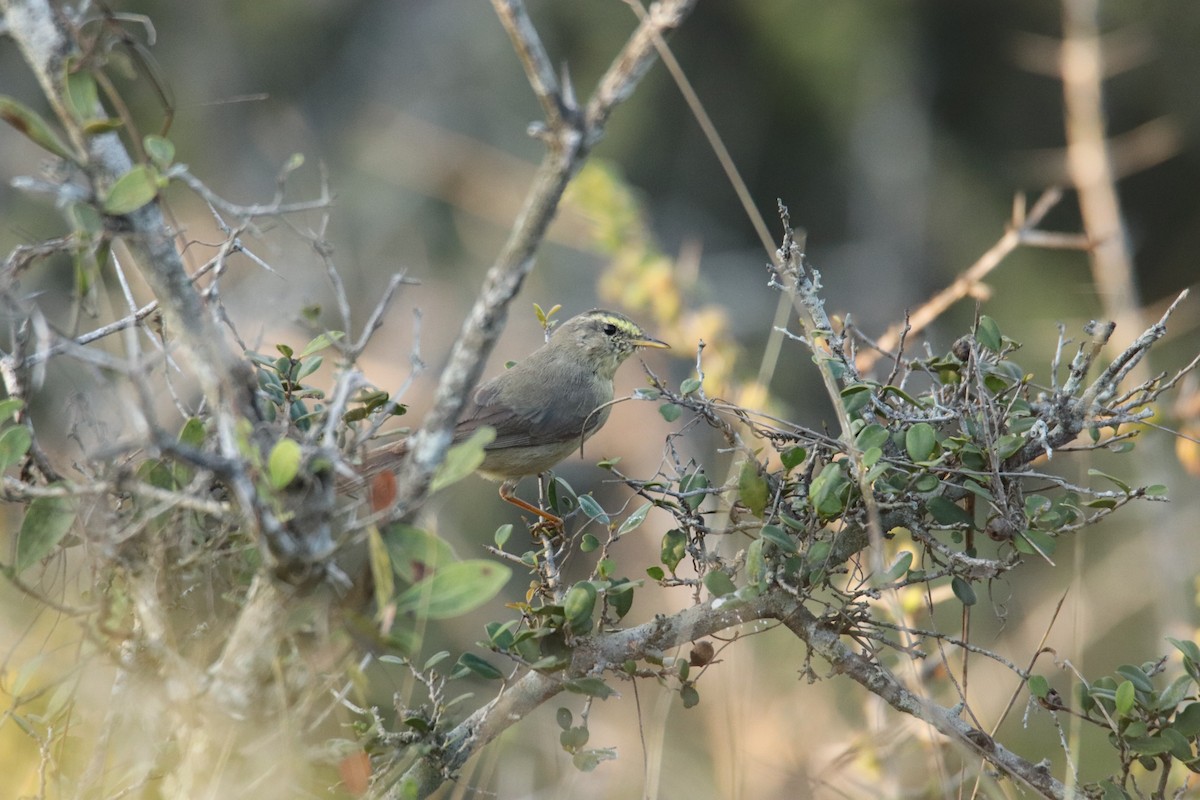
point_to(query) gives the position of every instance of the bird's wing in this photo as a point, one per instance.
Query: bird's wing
(548, 423)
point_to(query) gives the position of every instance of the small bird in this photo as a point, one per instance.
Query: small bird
(546, 406)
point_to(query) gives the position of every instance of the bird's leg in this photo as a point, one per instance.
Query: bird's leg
(506, 494)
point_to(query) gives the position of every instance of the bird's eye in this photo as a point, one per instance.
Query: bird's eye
(610, 329)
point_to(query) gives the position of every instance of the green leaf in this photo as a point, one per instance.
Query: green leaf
(1034, 542)
(899, 568)
(415, 553)
(502, 534)
(283, 465)
(818, 553)
(563, 715)
(381, 567)
(987, 333)
(756, 564)
(689, 696)
(1009, 445)
(978, 490)
(1145, 745)
(463, 458)
(1112, 791)
(921, 442)
(926, 483)
(793, 457)
(674, 548)
(903, 395)
(1125, 698)
(1187, 721)
(656, 573)
(82, 97)
(828, 491)
(620, 595)
(670, 412)
(592, 687)
(573, 738)
(776, 536)
(1179, 745)
(481, 667)
(561, 496)
(752, 488)
(588, 543)
(47, 521)
(578, 605)
(1120, 484)
(963, 591)
(588, 760)
(718, 583)
(873, 435)
(1038, 686)
(160, 150)
(689, 385)
(192, 433)
(1186, 646)
(589, 506)
(33, 127)
(696, 482)
(321, 342)
(945, 512)
(131, 191)
(308, 366)
(634, 520)
(454, 589)
(94, 127)
(1137, 676)
(9, 407)
(14, 444)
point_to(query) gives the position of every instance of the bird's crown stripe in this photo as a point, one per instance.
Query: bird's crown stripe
(625, 325)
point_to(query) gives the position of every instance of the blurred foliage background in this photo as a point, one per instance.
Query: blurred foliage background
(897, 134)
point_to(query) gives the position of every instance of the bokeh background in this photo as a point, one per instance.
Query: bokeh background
(896, 133)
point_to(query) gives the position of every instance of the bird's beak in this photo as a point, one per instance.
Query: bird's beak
(648, 342)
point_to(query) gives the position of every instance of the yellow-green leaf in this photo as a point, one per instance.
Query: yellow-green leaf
(321, 342)
(131, 191)
(1125, 698)
(752, 488)
(9, 407)
(160, 150)
(454, 589)
(673, 548)
(462, 459)
(284, 463)
(33, 126)
(381, 568)
(82, 96)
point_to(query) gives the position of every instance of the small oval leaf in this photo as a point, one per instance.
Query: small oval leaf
(578, 606)
(131, 191)
(921, 442)
(34, 127)
(46, 522)
(963, 591)
(284, 463)
(462, 459)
